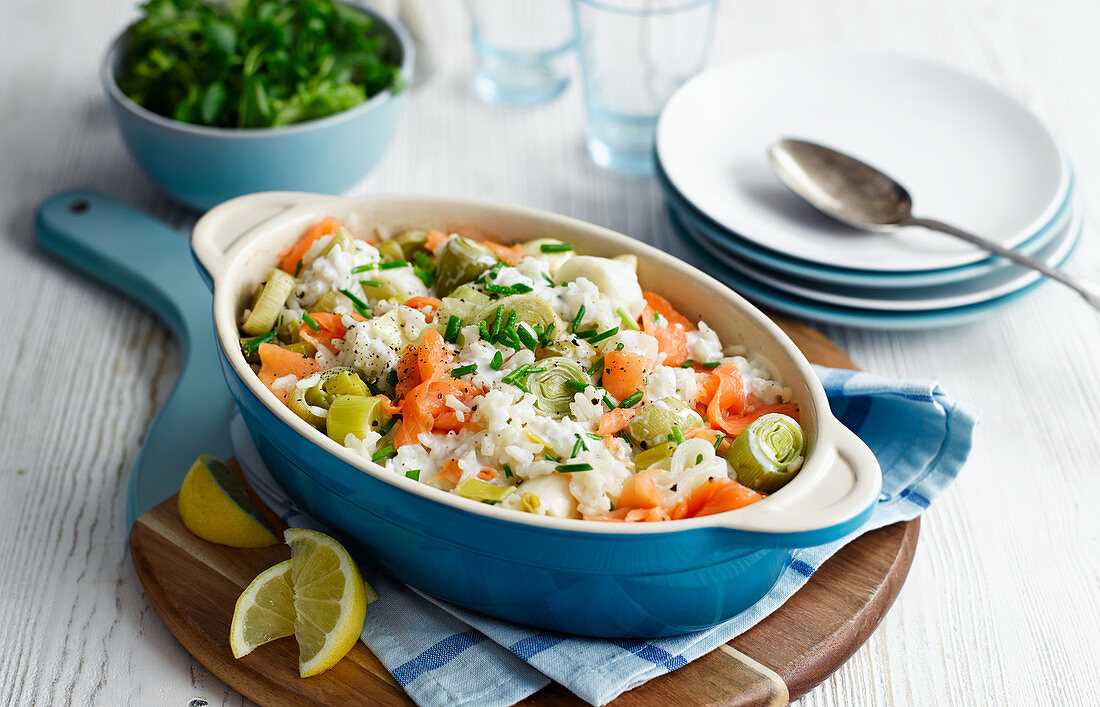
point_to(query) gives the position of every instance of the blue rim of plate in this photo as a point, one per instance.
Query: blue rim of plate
(734, 244)
(723, 258)
(849, 316)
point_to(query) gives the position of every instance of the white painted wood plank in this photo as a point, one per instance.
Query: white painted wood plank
(1001, 605)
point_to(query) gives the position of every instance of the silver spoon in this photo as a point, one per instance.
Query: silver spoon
(857, 194)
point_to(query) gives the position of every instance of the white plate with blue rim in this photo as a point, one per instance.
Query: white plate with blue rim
(915, 299)
(781, 301)
(741, 248)
(970, 154)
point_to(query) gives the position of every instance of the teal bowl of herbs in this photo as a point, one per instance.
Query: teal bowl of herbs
(219, 99)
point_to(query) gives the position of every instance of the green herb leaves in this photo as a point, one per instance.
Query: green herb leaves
(254, 63)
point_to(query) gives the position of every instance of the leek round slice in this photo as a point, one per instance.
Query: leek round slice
(768, 453)
(460, 261)
(479, 490)
(325, 303)
(355, 415)
(340, 380)
(412, 241)
(649, 457)
(550, 384)
(269, 302)
(654, 422)
(536, 312)
(391, 250)
(341, 238)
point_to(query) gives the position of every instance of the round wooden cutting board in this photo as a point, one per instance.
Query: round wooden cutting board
(194, 585)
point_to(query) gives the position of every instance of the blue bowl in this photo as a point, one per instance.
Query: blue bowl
(573, 576)
(203, 166)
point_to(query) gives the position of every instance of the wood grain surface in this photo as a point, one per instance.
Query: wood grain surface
(194, 585)
(1005, 576)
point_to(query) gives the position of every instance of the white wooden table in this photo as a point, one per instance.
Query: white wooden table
(1002, 605)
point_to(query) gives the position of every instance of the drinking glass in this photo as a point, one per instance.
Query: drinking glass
(521, 49)
(634, 55)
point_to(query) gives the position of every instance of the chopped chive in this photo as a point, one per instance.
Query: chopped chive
(370, 283)
(516, 374)
(620, 346)
(494, 331)
(497, 289)
(510, 322)
(394, 264)
(382, 453)
(391, 378)
(529, 340)
(424, 274)
(510, 337)
(534, 370)
(497, 362)
(687, 364)
(298, 267)
(549, 280)
(495, 270)
(608, 402)
(311, 322)
(413, 474)
(360, 305)
(555, 247)
(549, 457)
(253, 344)
(577, 319)
(604, 335)
(718, 441)
(596, 366)
(656, 316)
(698, 458)
(483, 331)
(362, 268)
(630, 323)
(522, 387)
(587, 333)
(580, 445)
(385, 429)
(544, 340)
(571, 468)
(422, 261)
(464, 370)
(570, 383)
(521, 289)
(612, 506)
(712, 364)
(490, 502)
(632, 400)
(676, 435)
(508, 472)
(453, 325)
(372, 388)
(594, 436)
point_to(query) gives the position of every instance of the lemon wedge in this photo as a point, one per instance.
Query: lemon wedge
(214, 505)
(330, 599)
(264, 611)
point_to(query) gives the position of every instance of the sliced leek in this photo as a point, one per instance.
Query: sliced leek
(655, 421)
(534, 311)
(391, 250)
(354, 415)
(460, 261)
(550, 384)
(301, 347)
(341, 238)
(412, 241)
(269, 303)
(768, 453)
(479, 490)
(651, 456)
(325, 303)
(311, 403)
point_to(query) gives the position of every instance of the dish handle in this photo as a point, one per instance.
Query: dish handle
(838, 501)
(223, 230)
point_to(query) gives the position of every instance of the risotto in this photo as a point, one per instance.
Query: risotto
(529, 377)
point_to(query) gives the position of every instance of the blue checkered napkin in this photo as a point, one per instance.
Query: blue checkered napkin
(444, 655)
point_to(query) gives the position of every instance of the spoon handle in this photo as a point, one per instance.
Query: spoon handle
(1088, 290)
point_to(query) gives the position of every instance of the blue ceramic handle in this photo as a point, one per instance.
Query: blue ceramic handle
(152, 263)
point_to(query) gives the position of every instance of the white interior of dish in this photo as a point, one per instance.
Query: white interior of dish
(238, 242)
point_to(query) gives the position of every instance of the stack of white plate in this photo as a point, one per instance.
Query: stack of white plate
(969, 154)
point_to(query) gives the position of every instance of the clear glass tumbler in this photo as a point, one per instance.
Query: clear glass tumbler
(634, 55)
(521, 49)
